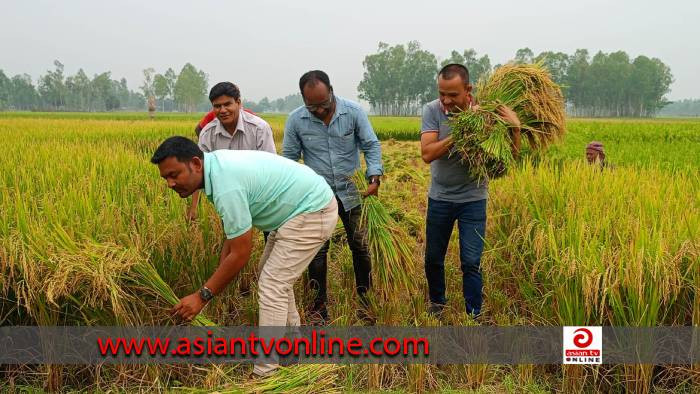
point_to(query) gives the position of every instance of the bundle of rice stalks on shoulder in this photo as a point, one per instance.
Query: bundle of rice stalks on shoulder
(483, 139)
(390, 246)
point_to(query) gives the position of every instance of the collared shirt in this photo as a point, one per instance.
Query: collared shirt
(261, 189)
(252, 133)
(333, 151)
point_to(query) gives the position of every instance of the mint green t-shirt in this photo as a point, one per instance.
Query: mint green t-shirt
(261, 189)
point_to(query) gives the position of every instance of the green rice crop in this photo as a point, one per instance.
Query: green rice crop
(90, 235)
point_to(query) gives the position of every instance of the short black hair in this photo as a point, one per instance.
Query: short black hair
(312, 78)
(224, 89)
(452, 70)
(182, 148)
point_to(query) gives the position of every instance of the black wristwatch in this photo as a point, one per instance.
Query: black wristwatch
(205, 294)
(375, 179)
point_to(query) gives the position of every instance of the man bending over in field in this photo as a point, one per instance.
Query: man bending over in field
(454, 195)
(260, 189)
(233, 128)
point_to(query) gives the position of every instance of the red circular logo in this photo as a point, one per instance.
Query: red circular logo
(583, 339)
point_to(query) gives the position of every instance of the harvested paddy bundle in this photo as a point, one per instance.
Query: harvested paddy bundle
(146, 276)
(299, 379)
(389, 245)
(482, 138)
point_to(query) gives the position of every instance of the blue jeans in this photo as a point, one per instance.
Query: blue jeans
(471, 222)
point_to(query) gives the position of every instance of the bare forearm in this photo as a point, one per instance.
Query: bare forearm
(437, 149)
(515, 142)
(225, 250)
(229, 267)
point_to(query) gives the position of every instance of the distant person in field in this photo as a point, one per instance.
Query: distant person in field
(595, 153)
(329, 132)
(232, 128)
(454, 196)
(254, 189)
(151, 107)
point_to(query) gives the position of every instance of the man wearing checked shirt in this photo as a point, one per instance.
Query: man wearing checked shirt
(329, 132)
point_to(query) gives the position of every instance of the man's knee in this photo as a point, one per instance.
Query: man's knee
(435, 254)
(270, 288)
(358, 241)
(470, 263)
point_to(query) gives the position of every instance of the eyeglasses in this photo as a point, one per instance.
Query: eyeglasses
(324, 105)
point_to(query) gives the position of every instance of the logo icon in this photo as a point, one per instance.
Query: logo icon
(583, 345)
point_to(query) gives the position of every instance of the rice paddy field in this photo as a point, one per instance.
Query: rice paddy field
(90, 235)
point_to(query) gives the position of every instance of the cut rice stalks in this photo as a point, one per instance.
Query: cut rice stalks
(296, 379)
(482, 138)
(389, 244)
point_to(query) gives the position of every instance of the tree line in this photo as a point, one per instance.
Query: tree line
(285, 104)
(186, 91)
(399, 79)
(54, 91)
(687, 107)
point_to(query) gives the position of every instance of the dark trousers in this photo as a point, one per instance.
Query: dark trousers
(471, 222)
(357, 240)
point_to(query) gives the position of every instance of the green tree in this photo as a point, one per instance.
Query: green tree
(398, 80)
(557, 63)
(651, 80)
(52, 87)
(609, 79)
(376, 85)
(172, 79)
(264, 104)
(103, 93)
(524, 56)
(5, 91)
(576, 80)
(161, 89)
(136, 101)
(612, 85)
(418, 83)
(291, 102)
(24, 95)
(478, 67)
(78, 87)
(190, 88)
(687, 107)
(455, 58)
(147, 87)
(123, 92)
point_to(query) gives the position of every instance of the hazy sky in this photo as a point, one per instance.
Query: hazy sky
(265, 46)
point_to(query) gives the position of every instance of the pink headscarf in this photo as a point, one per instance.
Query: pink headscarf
(598, 147)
